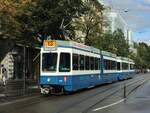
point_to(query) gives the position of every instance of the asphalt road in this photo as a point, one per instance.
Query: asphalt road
(106, 98)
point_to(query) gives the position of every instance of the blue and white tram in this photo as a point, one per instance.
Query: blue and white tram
(70, 66)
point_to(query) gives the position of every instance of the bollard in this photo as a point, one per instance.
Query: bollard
(124, 90)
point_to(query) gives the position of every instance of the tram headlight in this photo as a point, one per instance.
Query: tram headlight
(48, 80)
(65, 78)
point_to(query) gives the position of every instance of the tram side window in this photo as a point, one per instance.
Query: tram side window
(107, 64)
(87, 63)
(92, 63)
(75, 61)
(97, 62)
(113, 65)
(64, 64)
(49, 61)
(82, 63)
(110, 65)
(125, 66)
(131, 66)
(118, 66)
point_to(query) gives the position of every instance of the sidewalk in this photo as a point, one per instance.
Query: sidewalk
(12, 100)
(14, 90)
(7, 99)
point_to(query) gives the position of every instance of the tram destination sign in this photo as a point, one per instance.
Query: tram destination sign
(50, 45)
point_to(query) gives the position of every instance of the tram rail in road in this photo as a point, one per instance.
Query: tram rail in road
(116, 91)
(102, 92)
(85, 96)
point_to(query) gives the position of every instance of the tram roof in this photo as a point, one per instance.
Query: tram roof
(125, 59)
(105, 53)
(76, 45)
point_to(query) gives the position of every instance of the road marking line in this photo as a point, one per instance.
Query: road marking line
(109, 105)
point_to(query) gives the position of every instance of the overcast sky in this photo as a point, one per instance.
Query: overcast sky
(137, 15)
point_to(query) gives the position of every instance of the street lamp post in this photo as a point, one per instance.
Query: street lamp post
(24, 71)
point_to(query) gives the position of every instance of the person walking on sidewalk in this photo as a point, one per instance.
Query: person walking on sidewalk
(4, 75)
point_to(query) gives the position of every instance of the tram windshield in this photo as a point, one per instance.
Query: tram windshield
(49, 61)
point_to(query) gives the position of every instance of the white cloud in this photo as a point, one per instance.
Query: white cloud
(146, 1)
(138, 14)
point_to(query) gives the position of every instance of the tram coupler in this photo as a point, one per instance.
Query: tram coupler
(52, 90)
(45, 90)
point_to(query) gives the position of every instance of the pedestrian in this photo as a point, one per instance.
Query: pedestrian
(4, 75)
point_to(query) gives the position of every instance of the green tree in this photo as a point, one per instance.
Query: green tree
(48, 15)
(143, 54)
(90, 23)
(27, 18)
(105, 42)
(142, 58)
(8, 24)
(114, 43)
(120, 43)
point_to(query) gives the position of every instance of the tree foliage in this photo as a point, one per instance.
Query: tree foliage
(142, 58)
(114, 43)
(8, 24)
(120, 43)
(27, 18)
(90, 23)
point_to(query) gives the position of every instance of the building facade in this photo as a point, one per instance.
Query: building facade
(115, 21)
(8, 63)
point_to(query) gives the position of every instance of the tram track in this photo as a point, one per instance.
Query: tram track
(96, 94)
(116, 91)
(65, 108)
